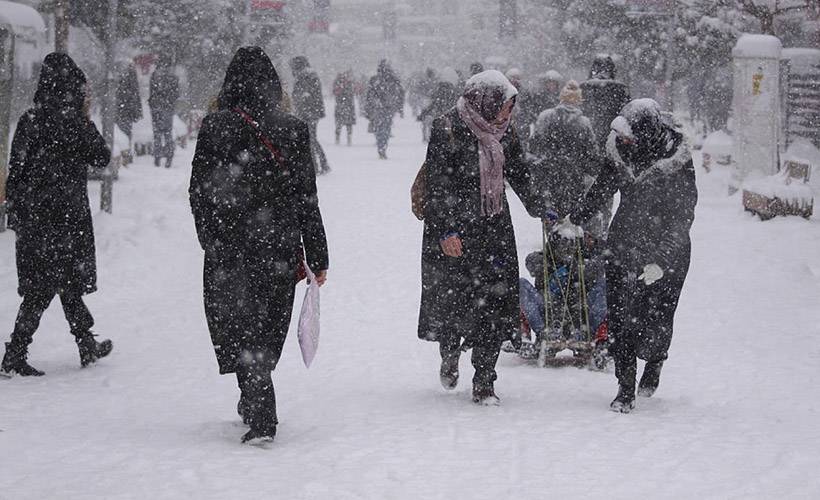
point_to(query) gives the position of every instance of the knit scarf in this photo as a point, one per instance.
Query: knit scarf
(490, 156)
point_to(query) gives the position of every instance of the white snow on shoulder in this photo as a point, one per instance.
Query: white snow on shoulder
(765, 46)
(493, 78)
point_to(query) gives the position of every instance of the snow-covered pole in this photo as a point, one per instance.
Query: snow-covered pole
(246, 24)
(109, 107)
(60, 27)
(756, 108)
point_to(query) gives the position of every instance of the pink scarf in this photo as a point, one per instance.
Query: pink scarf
(490, 156)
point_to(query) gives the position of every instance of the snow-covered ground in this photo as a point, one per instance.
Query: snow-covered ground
(737, 414)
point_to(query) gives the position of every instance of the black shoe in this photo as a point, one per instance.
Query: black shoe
(382, 155)
(156, 161)
(485, 396)
(255, 437)
(15, 363)
(91, 350)
(650, 379)
(448, 374)
(167, 163)
(624, 402)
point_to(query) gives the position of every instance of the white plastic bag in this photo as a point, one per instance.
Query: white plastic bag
(309, 320)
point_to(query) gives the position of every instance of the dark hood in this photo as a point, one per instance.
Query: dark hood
(251, 83)
(603, 68)
(61, 85)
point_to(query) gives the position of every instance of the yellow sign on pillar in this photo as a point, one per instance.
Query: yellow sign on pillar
(757, 81)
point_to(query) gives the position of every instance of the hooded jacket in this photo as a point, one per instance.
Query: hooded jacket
(54, 146)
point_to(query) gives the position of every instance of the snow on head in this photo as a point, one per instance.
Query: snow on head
(633, 112)
(449, 75)
(763, 46)
(492, 79)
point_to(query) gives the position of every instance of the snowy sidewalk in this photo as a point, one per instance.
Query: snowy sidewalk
(736, 415)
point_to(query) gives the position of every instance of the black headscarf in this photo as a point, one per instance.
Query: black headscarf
(652, 139)
(62, 84)
(251, 83)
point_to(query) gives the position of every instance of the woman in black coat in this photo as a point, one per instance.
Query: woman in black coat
(649, 246)
(254, 200)
(469, 259)
(47, 193)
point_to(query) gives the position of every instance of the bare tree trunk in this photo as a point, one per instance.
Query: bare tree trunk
(61, 26)
(109, 107)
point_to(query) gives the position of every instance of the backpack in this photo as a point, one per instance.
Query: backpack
(418, 192)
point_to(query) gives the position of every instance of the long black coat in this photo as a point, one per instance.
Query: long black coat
(651, 226)
(164, 88)
(308, 103)
(565, 152)
(47, 189)
(475, 295)
(252, 215)
(603, 100)
(345, 93)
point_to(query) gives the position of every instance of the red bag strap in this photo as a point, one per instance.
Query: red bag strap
(277, 155)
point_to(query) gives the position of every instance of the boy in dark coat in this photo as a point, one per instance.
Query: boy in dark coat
(469, 259)
(254, 200)
(649, 246)
(309, 105)
(47, 193)
(164, 89)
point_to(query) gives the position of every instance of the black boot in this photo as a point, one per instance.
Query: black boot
(624, 402)
(448, 374)
(650, 379)
(484, 395)
(90, 349)
(14, 362)
(243, 409)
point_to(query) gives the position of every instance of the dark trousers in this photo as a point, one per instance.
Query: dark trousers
(316, 148)
(163, 123)
(258, 396)
(484, 357)
(33, 307)
(382, 128)
(640, 318)
(349, 132)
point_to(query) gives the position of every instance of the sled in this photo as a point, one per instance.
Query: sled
(566, 305)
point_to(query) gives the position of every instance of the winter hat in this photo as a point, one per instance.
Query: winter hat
(552, 76)
(571, 93)
(514, 75)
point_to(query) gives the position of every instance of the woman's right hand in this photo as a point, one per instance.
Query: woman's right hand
(452, 246)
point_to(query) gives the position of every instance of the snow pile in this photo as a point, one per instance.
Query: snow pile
(758, 46)
(718, 148)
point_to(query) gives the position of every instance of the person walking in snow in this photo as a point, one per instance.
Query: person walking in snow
(469, 258)
(648, 246)
(164, 88)
(47, 194)
(129, 104)
(253, 223)
(345, 112)
(309, 106)
(604, 96)
(444, 97)
(385, 98)
(564, 152)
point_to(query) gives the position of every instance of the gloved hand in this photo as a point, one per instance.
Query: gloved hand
(651, 274)
(550, 216)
